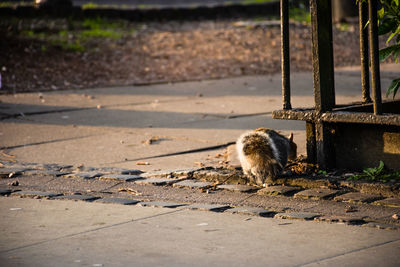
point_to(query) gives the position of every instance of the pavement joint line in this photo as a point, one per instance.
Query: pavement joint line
(347, 253)
(49, 142)
(180, 153)
(90, 231)
(226, 117)
(234, 116)
(51, 111)
(21, 114)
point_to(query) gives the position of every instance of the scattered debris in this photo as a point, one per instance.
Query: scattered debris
(130, 190)
(301, 167)
(142, 163)
(3, 153)
(151, 140)
(14, 183)
(349, 208)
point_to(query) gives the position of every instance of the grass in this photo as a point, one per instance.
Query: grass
(251, 2)
(15, 4)
(80, 34)
(300, 15)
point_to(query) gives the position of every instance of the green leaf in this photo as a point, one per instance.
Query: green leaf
(387, 25)
(387, 51)
(396, 55)
(380, 167)
(381, 13)
(393, 88)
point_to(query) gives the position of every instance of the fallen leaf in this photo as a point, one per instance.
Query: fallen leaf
(142, 163)
(6, 155)
(130, 190)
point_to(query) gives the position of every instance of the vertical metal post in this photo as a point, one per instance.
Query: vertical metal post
(311, 143)
(363, 18)
(324, 85)
(285, 56)
(374, 55)
(322, 54)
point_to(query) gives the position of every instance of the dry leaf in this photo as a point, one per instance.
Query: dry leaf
(129, 190)
(6, 155)
(142, 163)
(151, 140)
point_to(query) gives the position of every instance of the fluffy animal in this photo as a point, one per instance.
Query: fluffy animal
(263, 153)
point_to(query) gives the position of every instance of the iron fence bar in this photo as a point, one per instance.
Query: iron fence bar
(285, 54)
(363, 19)
(324, 84)
(322, 55)
(374, 57)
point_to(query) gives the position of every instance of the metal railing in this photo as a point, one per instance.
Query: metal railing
(324, 119)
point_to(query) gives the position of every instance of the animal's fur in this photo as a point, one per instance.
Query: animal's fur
(263, 153)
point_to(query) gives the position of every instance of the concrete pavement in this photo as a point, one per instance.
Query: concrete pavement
(113, 127)
(67, 233)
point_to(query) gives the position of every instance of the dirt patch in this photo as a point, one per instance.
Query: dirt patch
(46, 54)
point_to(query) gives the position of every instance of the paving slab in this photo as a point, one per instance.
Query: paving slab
(36, 194)
(341, 219)
(5, 192)
(121, 177)
(252, 211)
(208, 207)
(10, 172)
(238, 187)
(192, 184)
(131, 172)
(357, 197)
(173, 172)
(157, 181)
(278, 190)
(160, 204)
(84, 175)
(77, 197)
(297, 216)
(391, 202)
(46, 173)
(316, 194)
(115, 200)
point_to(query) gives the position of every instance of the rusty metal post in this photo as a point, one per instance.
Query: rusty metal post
(311, 142)
(363, 18)
(324, 86)
(374, 55)
(322, 54)
(285, 56)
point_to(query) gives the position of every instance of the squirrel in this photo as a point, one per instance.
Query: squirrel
(263, 153)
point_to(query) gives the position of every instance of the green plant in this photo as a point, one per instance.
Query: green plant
(250, 2)
(300, 14)
(90, 5)
(100, 33)
(376, 174)
(389, 23)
